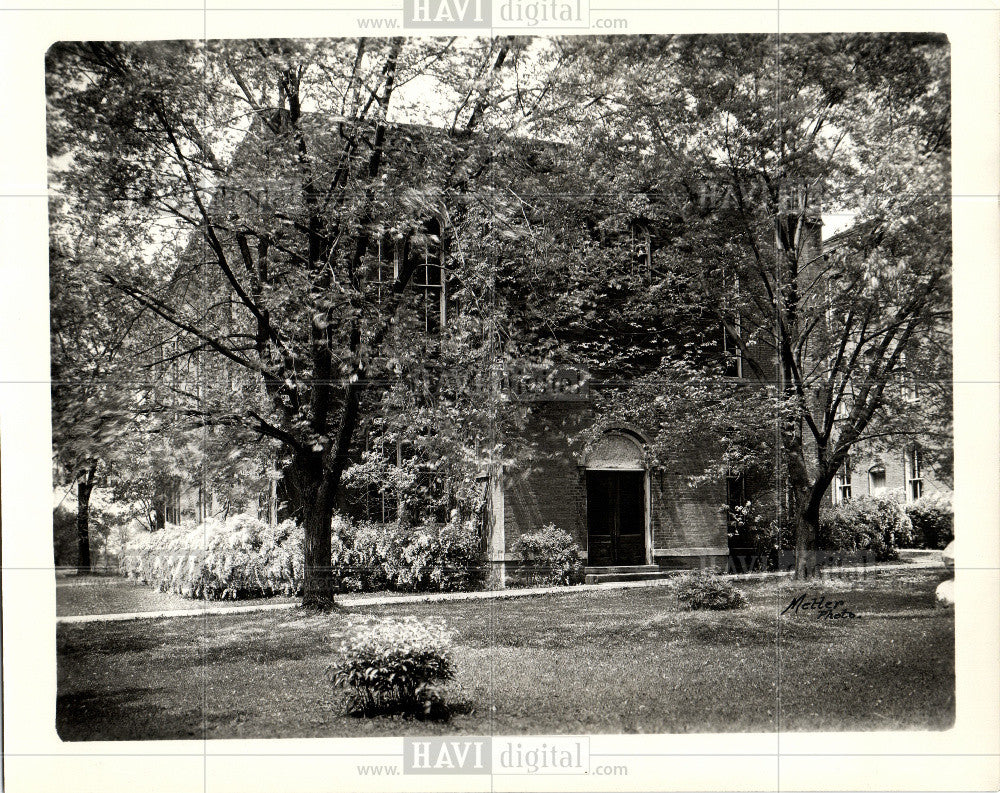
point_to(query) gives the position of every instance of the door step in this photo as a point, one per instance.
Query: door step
(614, 573)
(620, 568)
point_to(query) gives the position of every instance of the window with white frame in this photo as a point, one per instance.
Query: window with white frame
(914, 477)
(382, 272)
(908, 383)
(429, 278)
(910, 390)
(732, 329)
(842, 483)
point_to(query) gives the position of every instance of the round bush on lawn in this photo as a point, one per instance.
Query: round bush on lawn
(709, 590)
(394, 667)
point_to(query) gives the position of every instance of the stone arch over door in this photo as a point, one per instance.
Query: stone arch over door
(618, 501)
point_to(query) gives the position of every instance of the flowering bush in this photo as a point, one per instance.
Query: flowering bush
(550, 557)
(394, 666)
(933, 522)
(709, 590)
(235, 558)
(245, 557)
(871, 526)
(757, 537)
(358, 550)
(370, 556)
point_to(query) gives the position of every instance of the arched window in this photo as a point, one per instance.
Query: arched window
(617, 450)
(876, 479)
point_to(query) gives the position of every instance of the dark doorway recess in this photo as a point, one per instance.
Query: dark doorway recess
(616, 518)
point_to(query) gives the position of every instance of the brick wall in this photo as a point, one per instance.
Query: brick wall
(549, 487)
(687, 524)
(894, 462)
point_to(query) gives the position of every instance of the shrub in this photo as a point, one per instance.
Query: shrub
(550, 557)
(394, 666)
(442, 557)
(709, 590)
(371, 556)
(933, 522)
(236, 558)
(358, 550)
(756, 538)
(870, 526)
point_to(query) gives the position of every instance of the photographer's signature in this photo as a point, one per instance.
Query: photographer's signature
(824, 608)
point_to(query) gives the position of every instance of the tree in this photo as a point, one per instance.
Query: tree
(95, 394)
(739, 144)
(268, 173)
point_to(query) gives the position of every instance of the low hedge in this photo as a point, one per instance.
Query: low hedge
(239, 557)
(245, 557)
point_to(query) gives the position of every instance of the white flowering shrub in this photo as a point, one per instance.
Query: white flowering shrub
(216, 560)
(432, 557)
(549, 557)
(392, 666)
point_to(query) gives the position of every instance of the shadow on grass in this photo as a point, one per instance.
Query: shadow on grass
(127, 714)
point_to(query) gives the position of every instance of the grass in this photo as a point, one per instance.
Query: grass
(114, 595)
(613, 661)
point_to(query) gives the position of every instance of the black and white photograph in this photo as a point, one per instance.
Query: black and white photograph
(461, 402)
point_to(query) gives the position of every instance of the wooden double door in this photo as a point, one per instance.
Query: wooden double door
(616, 518)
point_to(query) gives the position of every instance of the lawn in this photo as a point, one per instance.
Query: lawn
(81, 595)
(586, 662)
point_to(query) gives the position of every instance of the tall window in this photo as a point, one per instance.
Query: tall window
(908, 383)
(642, 252)
(909, 388)
(375, 500)
(842, 483)
(732, 362)
(429, 278)
(732, 328)
(914, 478)
(735, 489)
(383, 271)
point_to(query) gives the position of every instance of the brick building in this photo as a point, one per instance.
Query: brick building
(622, 510)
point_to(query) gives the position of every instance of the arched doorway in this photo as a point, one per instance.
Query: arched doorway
(617, 502)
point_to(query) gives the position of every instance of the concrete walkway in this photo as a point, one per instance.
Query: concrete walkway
(925, 559)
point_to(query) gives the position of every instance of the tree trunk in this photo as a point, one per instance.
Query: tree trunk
(311, 501)
(83, 490)
(806, 534)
